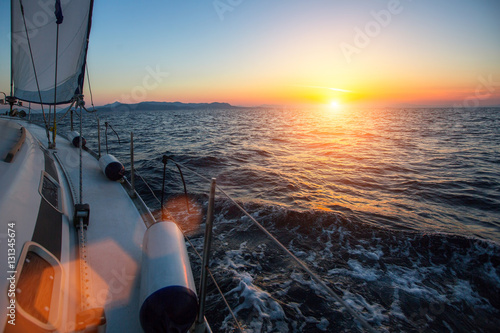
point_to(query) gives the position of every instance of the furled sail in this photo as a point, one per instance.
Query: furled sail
(35, 39)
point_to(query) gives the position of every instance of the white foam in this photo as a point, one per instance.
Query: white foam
(309, 257)
(323, 324)
(262, 311)
(462, 290)
(411, 281)
(299, 317)
(396, 310)
(357, 270)
(267, 314)
(374, 254)
(372, 313)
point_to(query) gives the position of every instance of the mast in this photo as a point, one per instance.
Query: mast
(59, 20)
(11, 55)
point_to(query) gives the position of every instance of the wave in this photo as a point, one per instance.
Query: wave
(395, 210)
(399, 281)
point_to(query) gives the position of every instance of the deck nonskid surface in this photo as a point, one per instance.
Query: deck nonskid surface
(114, 237)
(9, 135)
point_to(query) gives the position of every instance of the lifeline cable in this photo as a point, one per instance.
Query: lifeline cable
(182, 178)
(189, 241)
(299, 262)
(106, 124)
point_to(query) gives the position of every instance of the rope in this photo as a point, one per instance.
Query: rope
(166, 158)
(54, 128)
(80, 143)
(106, 124)
(225, 301)
(90, 88)
(81, 162)
(299, 262)
(34, 70)
(184, 184)
(67, 111)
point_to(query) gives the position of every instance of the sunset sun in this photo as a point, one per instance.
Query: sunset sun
(334, 105)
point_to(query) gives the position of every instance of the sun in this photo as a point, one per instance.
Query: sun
(335, 104)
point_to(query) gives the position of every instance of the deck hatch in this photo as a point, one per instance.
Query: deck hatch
(39, 277)
(49, 189)
(35, 286)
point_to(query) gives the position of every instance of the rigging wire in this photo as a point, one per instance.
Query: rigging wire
(233, 315)
(147, 185)
(214, 282)
(303, 266)
(80, 146)
(34, 69)
(225, 300)
(299, 262)
(165, 158)
(66, 113)
(54, 128)
(90, 88)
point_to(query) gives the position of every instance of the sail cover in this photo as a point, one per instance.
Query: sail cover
(34, 23)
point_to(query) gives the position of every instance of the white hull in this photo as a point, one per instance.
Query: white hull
(113, 239)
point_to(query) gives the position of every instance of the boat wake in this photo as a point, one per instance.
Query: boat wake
(398, 281)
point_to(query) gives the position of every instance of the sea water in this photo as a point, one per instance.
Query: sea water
(397, 210)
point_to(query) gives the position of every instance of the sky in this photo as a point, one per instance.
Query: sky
(290, 52)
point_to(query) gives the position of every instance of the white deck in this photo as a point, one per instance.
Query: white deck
(19, 201)
(114, 240)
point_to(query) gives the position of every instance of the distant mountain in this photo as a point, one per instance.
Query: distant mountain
(161, 106)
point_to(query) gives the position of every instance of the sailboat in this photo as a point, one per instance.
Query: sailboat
(81, 251)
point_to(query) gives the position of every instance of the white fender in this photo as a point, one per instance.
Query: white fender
(111, 167)
(74, 138)
(168, 293)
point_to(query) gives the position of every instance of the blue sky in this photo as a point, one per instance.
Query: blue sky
(250, 52)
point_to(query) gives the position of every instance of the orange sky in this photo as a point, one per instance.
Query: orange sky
(385, 53)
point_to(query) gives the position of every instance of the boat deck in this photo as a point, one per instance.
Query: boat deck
(114, 234)
(10, 134)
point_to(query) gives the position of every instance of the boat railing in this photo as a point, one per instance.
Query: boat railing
(206, 272)
(201, 323)
(207, 241)
(207, 245)
(293, 257)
